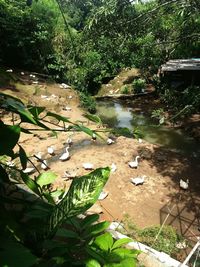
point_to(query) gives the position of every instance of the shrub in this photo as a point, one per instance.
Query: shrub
(88, 102)
(138, 85)
(158, 114)
(125, 89)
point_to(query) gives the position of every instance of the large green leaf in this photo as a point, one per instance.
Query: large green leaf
(123, 253)
(87, 221)
(96, 254)
(82, 194)
(42, 125)
(23, 157)
(31, 184)
(121, 242)
(9, 136)
(93, 118)
(67, 233)
(104, 242)
(82, 128)
(36, 111)
(129, 262)
(46, 178)
(48, 197)
(92, 263)
(96, 228)
(15, 105)
(58, 117)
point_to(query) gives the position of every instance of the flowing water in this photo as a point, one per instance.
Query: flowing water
(119, 114)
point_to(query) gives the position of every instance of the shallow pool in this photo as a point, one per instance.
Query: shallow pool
(119, 114)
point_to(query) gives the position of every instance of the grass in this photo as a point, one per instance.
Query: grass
(164, 239)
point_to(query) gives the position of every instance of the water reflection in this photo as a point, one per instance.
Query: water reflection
(118, 114)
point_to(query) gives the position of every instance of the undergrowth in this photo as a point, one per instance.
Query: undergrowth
(160, 238)
(87, 102)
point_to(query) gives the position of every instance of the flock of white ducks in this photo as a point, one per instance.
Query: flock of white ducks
(139, 180)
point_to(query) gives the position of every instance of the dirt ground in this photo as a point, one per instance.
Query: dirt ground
(159, 200)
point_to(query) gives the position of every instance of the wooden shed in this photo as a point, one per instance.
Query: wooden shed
(181, 72)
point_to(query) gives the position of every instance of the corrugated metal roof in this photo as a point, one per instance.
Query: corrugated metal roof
(181, 64)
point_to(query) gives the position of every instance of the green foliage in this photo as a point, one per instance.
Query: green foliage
(32, 27)
(96, 39)
(93, 118)
(11, 134)
(106, 252)
(88, 102)
(166, 238)
(158, 114)
(138, 85)
(12, 253)
(82, 194)
(125, 90)
(39, 226)
(162, 238)
(136, 132)
(182, 102)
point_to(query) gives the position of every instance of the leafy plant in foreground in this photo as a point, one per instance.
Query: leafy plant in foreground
(108, 252)
(39, 226)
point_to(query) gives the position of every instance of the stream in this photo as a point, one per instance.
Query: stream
(117, 114)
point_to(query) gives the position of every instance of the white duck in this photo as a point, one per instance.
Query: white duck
(67, 108)
(94, 137)
(134, 164)
(110, 141)
(29, 170)
(10, 163)
(69, 141)
(113, 167)
(103, 195)
(140, 140)
(184, 185)
(88, 166)
(138, 180)
(44, 165)
(65, 155)
(51, 150)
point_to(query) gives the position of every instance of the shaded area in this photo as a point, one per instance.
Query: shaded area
(7, 81)
(183, 213)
